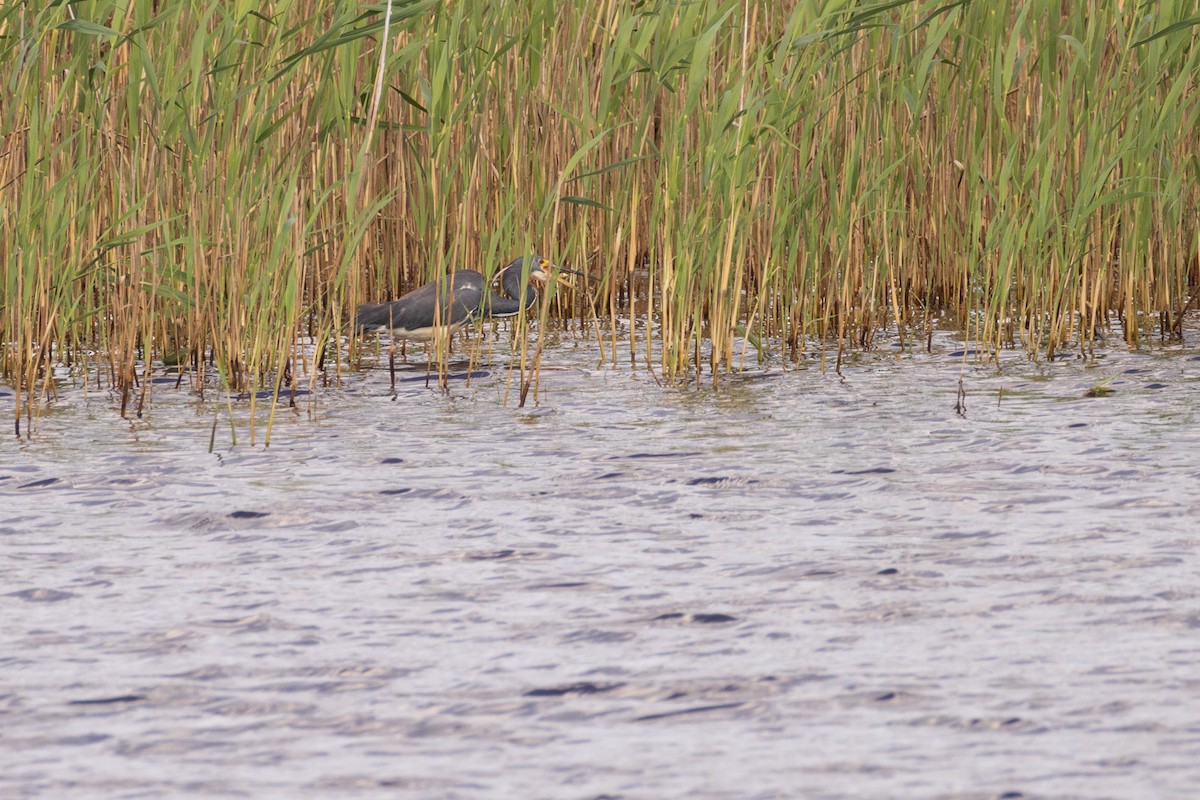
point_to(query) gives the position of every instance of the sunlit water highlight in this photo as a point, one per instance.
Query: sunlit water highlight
(800, 585)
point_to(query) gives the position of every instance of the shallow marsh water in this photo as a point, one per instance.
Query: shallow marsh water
(800, 585)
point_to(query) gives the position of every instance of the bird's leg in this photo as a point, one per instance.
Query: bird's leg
(441, 352)
(392, 366)
(404, 350)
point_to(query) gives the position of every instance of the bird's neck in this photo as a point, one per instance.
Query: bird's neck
(510, 284)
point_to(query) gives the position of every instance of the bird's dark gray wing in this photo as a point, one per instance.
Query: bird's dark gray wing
(467, 296)
(415, 311)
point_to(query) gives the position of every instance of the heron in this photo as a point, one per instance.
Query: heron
(465, 296)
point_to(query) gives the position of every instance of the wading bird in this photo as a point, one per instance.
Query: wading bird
(465, 296)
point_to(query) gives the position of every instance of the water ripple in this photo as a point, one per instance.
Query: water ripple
(801, 585)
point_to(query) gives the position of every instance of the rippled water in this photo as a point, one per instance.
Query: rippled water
(800, 585)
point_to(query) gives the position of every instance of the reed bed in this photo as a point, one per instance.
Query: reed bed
(219, 184)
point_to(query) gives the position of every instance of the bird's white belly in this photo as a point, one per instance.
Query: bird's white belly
(423, 334)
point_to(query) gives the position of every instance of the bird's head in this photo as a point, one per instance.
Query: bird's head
(535, 268)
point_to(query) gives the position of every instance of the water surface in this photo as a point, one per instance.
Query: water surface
(800, 585)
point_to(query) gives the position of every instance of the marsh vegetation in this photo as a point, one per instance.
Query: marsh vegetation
(218, 185)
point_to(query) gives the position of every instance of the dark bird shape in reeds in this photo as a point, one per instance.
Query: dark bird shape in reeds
(449, 303)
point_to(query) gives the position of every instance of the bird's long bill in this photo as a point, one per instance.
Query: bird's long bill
(567, 281)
